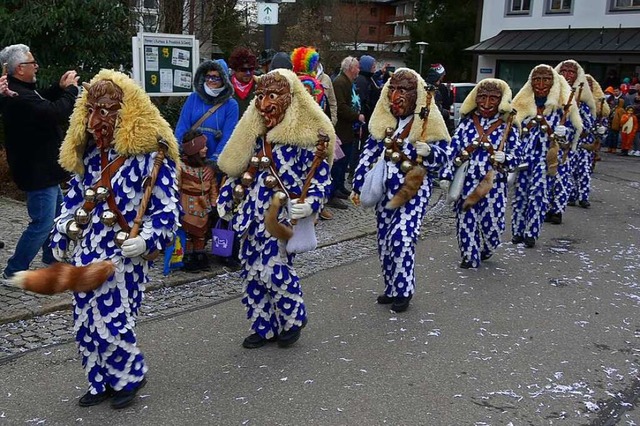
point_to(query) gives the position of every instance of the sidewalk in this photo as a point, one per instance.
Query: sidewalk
(16, 304)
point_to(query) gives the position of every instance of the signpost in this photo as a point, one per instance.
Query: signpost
(267, 13)
(164, 64)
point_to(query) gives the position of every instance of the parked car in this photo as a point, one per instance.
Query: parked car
(459, 91)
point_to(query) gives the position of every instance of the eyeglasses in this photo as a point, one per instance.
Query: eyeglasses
(247, 69)
(213, 78)
(30, 62)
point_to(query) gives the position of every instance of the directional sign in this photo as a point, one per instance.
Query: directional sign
(267, 13)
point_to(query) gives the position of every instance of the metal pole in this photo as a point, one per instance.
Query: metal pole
(420, 63)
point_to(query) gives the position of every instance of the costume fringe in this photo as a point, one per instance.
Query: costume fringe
(480, 191)
(412, 183)
(271, 223)
(63, 276)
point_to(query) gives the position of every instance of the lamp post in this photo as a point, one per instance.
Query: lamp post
(422, 45)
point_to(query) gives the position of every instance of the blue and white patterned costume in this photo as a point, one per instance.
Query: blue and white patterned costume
(272, 292)
(273, 296)
(398, 229)
(532, 192)
(104, 319)
(480, 227)
(581, 161)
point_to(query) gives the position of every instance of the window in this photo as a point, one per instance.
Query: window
(623, 5)
(519, 7)
(373, 11)
(558, 6)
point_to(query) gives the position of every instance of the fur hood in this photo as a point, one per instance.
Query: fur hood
(585, 96)
(383, 118)
(469, 105)
(137, 129)
(299, 127)
(198, 81)
(525, 105)
(598, 94)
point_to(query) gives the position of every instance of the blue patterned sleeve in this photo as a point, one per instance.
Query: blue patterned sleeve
(438, 159)
(371, 152)
(513, 148)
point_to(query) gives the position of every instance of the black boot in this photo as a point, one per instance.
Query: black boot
(201, 261)
(189, 262)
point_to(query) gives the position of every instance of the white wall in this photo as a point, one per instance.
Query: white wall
(586, 14)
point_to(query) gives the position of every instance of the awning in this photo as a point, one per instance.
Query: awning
(599, 41)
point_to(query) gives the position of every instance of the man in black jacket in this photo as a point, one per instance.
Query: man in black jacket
(33, 133)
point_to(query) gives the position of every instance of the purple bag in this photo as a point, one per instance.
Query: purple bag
(222, 240)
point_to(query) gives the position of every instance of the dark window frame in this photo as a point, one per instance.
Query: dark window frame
(522, 11)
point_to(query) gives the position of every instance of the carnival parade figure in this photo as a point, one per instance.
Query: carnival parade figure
(121, 208)
(600, 129)
(487, 140)
(281, 149)
(407, 133)
(549, 120)
(578, 180)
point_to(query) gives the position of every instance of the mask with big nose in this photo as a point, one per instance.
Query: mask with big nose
(403, 93)
(488, 99)
(104, 101)
(273, 98)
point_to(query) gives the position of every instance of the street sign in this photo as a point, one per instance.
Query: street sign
(267, 13)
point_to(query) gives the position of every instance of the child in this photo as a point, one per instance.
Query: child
(628, 129)
(198, 194)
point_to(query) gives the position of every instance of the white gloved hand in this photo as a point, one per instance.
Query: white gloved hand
(59, 254)
(423, 149)
(134, 247)
(560, 131)
(221, 213)
(300, 210)
(499, 156)
(601, 130)
(444, 185)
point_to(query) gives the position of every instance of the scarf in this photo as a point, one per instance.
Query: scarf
(242, 90)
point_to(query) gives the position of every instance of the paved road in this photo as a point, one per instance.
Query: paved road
(538, 336)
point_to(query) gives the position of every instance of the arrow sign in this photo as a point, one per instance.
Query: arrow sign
(267, 13)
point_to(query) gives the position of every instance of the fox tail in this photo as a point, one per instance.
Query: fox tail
(62, 276)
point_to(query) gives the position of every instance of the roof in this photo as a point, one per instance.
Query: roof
(567, 40)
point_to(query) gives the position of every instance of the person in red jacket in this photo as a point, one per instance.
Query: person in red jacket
(628, 130)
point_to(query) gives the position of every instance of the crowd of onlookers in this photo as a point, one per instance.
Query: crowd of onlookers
(623, 97)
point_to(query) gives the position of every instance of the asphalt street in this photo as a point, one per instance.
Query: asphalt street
(542, 336)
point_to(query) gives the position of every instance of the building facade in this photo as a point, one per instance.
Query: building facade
(516, 35)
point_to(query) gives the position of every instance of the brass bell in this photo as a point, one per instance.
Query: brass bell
(73, 230)
(102, 193)
(81, 216)
(265, 162)
(492, 158)
(534, 122)
(388, 142)
(399, 141)
(121, 237)
(388, 152)
(389, 131)
(475, 143)
(464, 154)
(487, 145)
(247, 179)
(396, 157)
(544, 128)
(539, 118)
(255, 161)
(238, 192)
(108, 218)
(457, 161)
(270, 181)
(405, 166)
(282, 196)
(90, 195)
(525, 131)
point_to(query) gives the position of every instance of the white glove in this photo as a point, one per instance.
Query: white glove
(221, 213)
(134, 247)
(601, 130)
(560, 131)
(444, 185)
(300, 210)
(423, 149)
(59, 254)
(499, 156)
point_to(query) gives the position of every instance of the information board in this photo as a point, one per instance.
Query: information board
(164, 64)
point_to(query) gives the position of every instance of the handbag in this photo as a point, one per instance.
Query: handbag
(373, 186)
(222, 240)
(304, 236)
(455, 190)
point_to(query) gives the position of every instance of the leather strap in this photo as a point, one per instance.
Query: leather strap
(205, 116)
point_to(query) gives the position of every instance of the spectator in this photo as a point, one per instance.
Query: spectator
(628, 130)
(33, 134)
(243, 63)
(369, 93)
(630, 95)
(264, 61)
(281, 60)
(613, 138)
(435, 76)
(348, 115)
